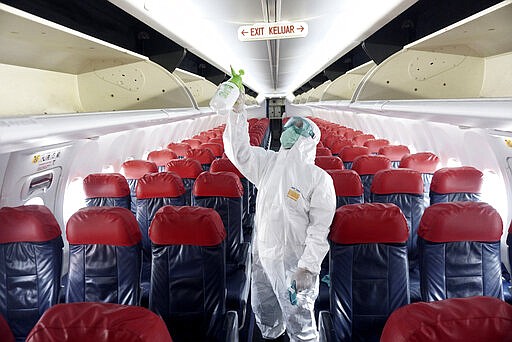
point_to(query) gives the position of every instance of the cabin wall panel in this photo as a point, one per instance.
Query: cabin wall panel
(498, 76)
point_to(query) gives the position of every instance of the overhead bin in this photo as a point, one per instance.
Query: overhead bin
(317, 92)
(343, 87)
(50, 69)
(470, 59)
(201, 89)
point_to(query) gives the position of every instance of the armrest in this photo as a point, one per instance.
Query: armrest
(231, 326)
(325, 327)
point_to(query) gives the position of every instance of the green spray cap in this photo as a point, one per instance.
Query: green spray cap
(237, 78)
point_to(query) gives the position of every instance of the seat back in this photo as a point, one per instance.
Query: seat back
(107, 189)
(451, 184)
(457, 319)
(375, 144)
(425, 163)
(367, 166)
(329, 163)
(216, 148)
(404, 188)
(132, 170)
(223, 192)
(349, 153)
(204, 156)
(30, 265)
(153, 192)
(459, 251)
(188, 278)
(395, 153)
(348, 187)
(99, 322)
(188, 169)
(161, 158)
(368, 267)
(104, 256)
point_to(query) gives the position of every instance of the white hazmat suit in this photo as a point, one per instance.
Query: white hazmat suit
(294, 209)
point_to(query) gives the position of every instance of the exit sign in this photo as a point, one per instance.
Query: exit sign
(265, 31)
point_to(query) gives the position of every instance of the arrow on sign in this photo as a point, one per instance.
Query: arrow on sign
(300, 28)
(243, 32)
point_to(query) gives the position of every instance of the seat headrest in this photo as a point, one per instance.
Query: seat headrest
(185, 168)
(375, 144)
(27, 223)
(460, 221)
(349, 153)
(161, 184)
(424, 162)
(103, 225)
(135, 169)
(217, 141)
(99, 322)
(106, 185)
(215, 148)
(370, 164)
(323, 152)
(180, 149)
(221, 184)
(360, 139)
(202, 155)
(5, 331)
(225, 164)
(465, 179)
(162, 157)
(194, 143)
(329, 163)
(369, 223)
(397, 181)
(394, 152)
(186, 225)
(346, 182)
(456, 319)
(339, 144)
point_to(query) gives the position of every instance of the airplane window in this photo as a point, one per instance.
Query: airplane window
(494, 192)
(74, 198)
(107, 169)
(35, 201)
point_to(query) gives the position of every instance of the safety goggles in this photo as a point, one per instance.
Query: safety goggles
(300, 125)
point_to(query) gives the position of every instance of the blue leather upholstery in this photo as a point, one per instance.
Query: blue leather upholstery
(188, 169)
(104, 256)
(404, 188)
(425, 163)
(459, 250)
(368, 265)
(106, 189)
(366, 166)
(153, 192)
(30, 265)
(188, 278)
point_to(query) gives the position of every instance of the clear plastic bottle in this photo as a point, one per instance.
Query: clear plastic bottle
(227, 93)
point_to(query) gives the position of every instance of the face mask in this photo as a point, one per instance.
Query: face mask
(289, 137)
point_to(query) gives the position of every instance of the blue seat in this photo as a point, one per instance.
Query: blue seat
(404, 188)
(188, 169)
(104, 256)
(224, 164)
(395, 153)
(203, 155)
(106, 189)
(161, 158)
(459, 251)
(451, 184)
(132, 170)
(30, 265)
(223, 192)
(99, 322)
(425, 163)
(188, 278)
(369, 274)
(366, 167)
(349, 153)
(153, 192)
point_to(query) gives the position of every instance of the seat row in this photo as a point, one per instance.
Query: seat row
(368, 263)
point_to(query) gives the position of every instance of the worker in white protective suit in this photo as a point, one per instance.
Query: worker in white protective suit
(294, 209)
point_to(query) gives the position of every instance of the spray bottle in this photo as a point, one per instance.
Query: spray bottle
(227, 93)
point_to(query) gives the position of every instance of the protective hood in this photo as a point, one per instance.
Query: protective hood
(305, 147)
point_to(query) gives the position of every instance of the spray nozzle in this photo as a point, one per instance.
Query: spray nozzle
(237, 78)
